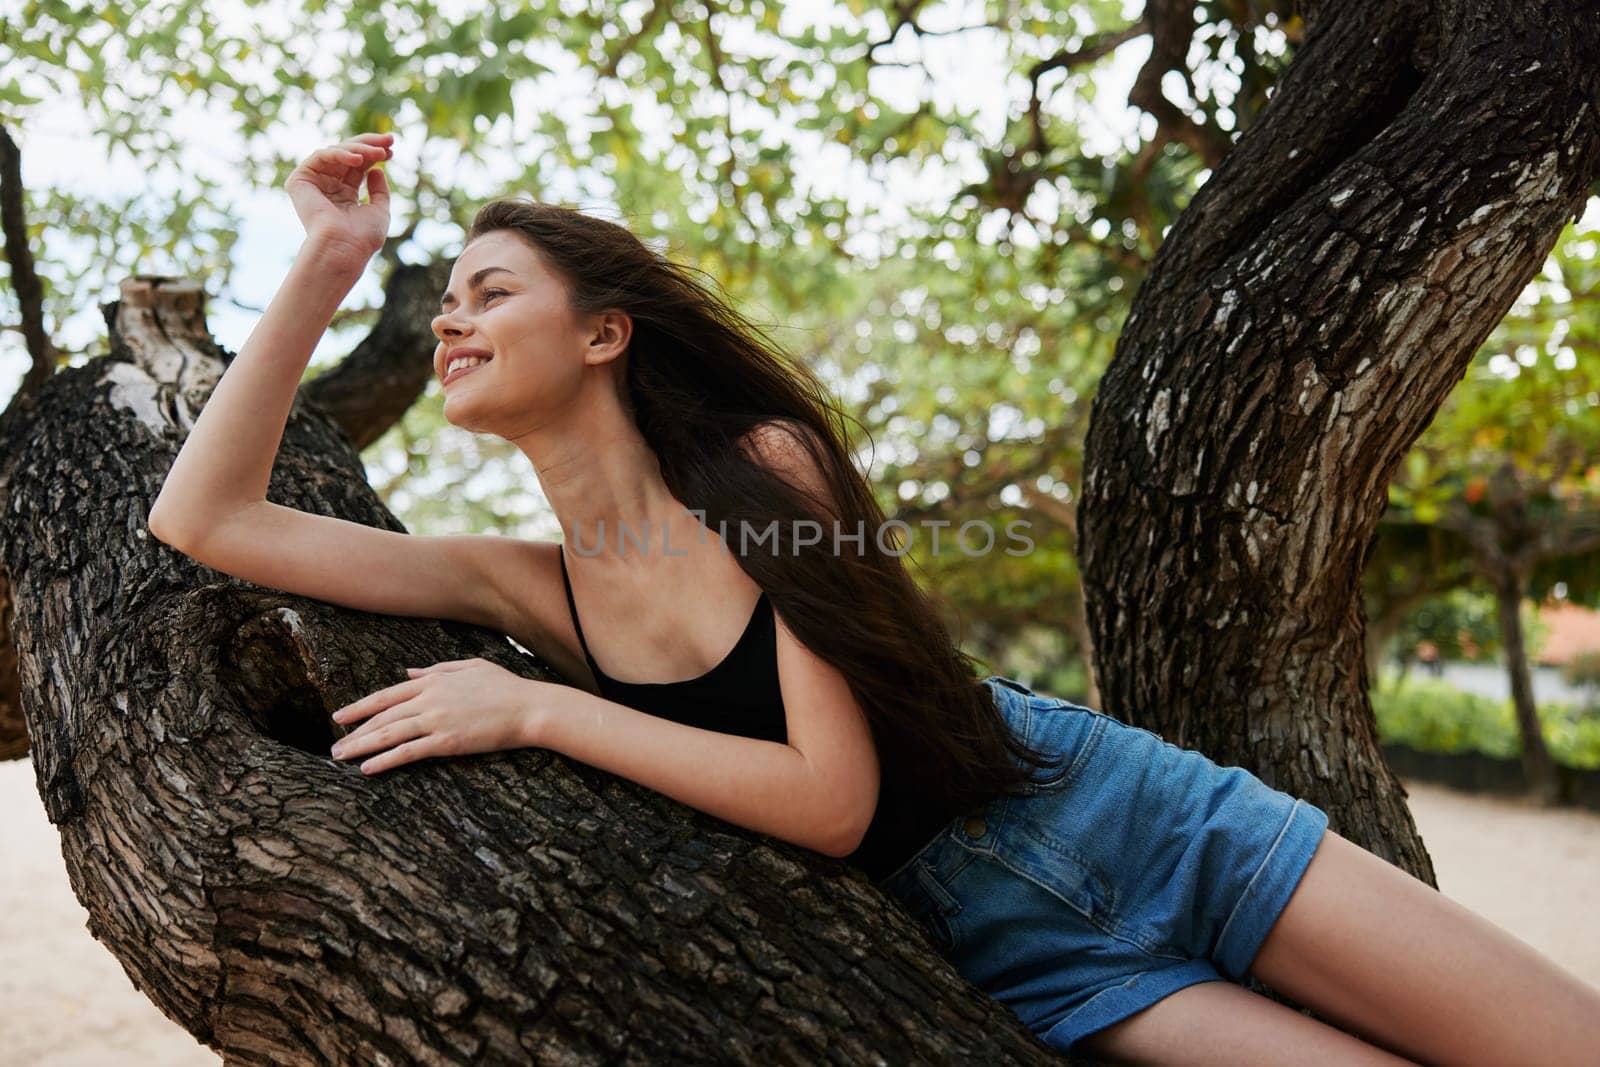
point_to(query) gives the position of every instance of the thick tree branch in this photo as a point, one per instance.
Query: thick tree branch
(510, 908)
(377, 383)
(162, 324)
(13, 728)
(19, 256)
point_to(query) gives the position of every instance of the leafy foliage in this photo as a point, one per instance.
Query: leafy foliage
(1434, 716)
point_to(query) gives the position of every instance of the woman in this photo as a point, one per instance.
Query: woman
(804, 687)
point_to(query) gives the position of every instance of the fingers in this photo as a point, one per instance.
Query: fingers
(353, 154)
(443, 665)
(360, 151)
(406, 753)
(403, 710)
(376, 702)
(374, 739)
(369, 147)
(342, 155)
(377, 187)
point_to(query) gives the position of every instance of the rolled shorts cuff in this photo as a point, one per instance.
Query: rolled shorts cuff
(1269, 889)
(1131, 996)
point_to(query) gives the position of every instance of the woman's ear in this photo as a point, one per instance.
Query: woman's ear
(612, 332)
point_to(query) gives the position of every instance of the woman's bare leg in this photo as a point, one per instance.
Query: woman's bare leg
(1385, 956)
(1226, 1025)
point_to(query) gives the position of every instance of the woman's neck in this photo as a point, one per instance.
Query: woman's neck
(604, 482)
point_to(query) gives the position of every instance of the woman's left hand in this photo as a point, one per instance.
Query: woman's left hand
(452, 708)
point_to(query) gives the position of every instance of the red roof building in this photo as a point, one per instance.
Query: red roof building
(1571, 630)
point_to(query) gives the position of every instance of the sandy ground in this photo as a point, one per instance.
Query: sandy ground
(68, 1003)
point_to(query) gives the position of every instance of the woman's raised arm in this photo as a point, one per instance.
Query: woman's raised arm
(227, 460)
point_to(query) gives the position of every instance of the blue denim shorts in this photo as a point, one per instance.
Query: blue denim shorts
(1145, 869)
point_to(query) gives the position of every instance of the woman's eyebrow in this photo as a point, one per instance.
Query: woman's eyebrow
(472, 283)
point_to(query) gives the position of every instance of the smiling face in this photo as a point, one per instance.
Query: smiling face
(503, 300)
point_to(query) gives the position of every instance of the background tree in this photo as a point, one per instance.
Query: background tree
(1300, 327)
(1410, 564)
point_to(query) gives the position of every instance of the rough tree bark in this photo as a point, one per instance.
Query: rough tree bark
(29, 292)
(287, 909)
(366, 393)
(1300, 326)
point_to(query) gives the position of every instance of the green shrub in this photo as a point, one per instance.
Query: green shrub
(1433, 716)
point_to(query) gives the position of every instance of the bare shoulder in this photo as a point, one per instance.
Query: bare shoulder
(532, 582)
(528, 573)
(789, 449)
(778, 438)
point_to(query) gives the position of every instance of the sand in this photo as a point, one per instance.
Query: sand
(68, 1002)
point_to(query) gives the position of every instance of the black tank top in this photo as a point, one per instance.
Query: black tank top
(741, 696)
(738, 696)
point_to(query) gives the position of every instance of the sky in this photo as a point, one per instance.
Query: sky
(60, 151)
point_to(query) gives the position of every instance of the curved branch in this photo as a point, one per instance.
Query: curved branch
(1301, 325)
(19, 255)
(1172, 28)
(377, 383)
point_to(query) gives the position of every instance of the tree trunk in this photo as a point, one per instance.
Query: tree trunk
(1537, 765)
(365, 394)
(1301, 325)
(13, 731)
(284, 908)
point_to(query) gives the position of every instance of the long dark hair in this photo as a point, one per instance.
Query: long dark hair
(699, 378)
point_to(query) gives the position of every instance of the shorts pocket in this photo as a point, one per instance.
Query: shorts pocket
(1055, 865)
(1086, 839)
(934, 906)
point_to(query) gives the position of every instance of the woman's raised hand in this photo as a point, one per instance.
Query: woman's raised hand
(326, 192)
